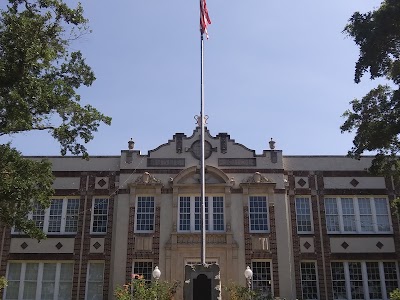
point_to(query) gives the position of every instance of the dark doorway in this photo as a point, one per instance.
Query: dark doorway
(202, 288)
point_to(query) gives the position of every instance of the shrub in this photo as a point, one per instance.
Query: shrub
(139, 289)
(238, 292)
(395, 295)
(3, 283)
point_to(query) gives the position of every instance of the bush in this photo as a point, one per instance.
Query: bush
(395, 295)
(139, 289)
(3, 283)
(238, 292)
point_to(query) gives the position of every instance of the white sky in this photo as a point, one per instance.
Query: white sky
(280, 69)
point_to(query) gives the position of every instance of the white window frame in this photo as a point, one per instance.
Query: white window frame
(269, 282)
(46, 218)
(358, 228)
(87, 277)
(266, 213)
(147, 277)
(101, 198)
(310, 280)
(365, 278)
(39, 278)
(310, 215)
(144, 213)
(209, 214)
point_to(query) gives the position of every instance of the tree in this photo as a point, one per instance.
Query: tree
(39, 81)
(376, 117)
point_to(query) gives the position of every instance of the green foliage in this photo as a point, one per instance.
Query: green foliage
(39, 80)
(138, 289)
(239, 292)
(3, 283)
(376, 117)
(395, 295)
(21, 180)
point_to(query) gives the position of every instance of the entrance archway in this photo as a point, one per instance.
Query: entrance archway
(201, 288)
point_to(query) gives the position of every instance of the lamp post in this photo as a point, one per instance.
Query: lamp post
(248, 273)
(156, 273)
(156, 276)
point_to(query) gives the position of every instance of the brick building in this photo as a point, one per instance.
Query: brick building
(309, 227)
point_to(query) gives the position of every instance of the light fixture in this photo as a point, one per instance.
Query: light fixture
(248, 273)
(156, 273)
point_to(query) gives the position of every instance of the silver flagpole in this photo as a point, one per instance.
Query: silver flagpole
(203, 169)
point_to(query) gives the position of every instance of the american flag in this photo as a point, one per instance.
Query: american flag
(204, 18)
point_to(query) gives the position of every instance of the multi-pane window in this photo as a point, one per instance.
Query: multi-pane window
(363, 280)
(374, 283)
(303, 215)
(357, 215)
(38, 216)
(95, 281)
(356, 280)
(309, 281)
(338, 281)
(382, 214)
(218, 213)
(185, 214)
(99, 215)
(258, 213)
(144, 214)
(331, 215)
(60, 218)
(34, 280)
(262, 277)
(366, 219)
(143, 268)
(190, 213)
(391, 279)
(71, 216)
(348, 215)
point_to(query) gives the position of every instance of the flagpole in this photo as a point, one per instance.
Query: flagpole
(203, 169)
(204, 22)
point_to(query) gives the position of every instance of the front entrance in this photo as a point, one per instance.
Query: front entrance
(201, 288)
(202, 282)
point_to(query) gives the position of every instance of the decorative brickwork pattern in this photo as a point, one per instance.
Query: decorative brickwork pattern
(296, 244)
(6, 248)
(154, 255)
(317, 255)
(82, 254)
(272, 254)
(325, 241)
(131, 244)
(108, 238)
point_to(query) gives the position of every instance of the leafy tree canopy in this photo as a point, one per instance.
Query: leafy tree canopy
(376, 117)
(39, 80)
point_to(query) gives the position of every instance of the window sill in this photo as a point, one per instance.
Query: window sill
(305, 233)
(50, 236)
(259, 232)
(98, 234)
(360, 233)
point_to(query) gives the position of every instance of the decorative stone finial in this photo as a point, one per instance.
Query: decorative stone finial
(131, 144)
(198, 120)
(272, 144)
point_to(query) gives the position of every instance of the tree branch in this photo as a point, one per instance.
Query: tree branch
(30, 129)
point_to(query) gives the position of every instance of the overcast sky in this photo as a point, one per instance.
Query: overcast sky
(280, 69)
